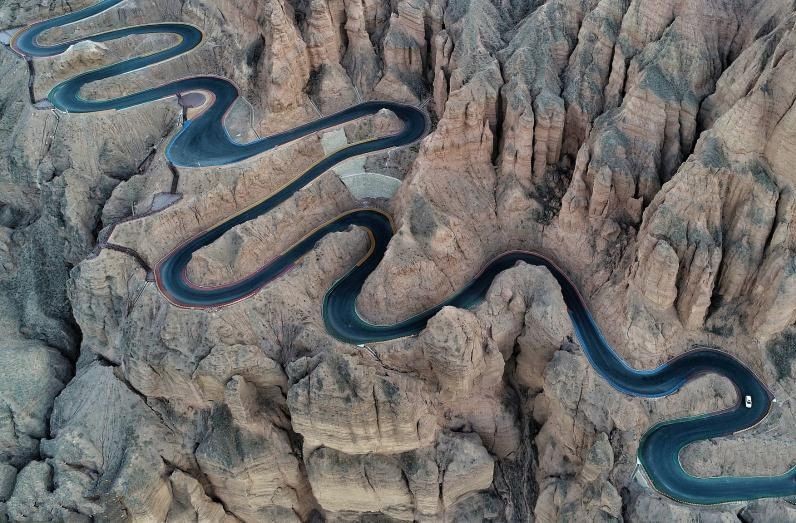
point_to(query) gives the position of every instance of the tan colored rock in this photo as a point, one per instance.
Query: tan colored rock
(548, 132)
(765, 509)
(454, 346)
(575, 203)
(546, 326)
(333, 90)
(653, 126)
(360, 60)
(670, 241)
(588, 70)
(108, 285)
(526, 312)
(774, 299)
(323, 40)
(82, 55)
(671, 511)
(660, 267)
(329, 85)
(468, 467)
(192, 504)
(88, 55)
(516, 151)
(173, 342)
(475, 29)
(747, 202)
(532, 64)
(253, 244)
(106, 443)
(435, 215)
(253, 470)
(440, 61)
(285, 67)
(214, 194)
(550, 498)
(599, 461)
(520, 313)
(423, 484)
(211, 195)
(357, 409)
(360, 483)
(695, 244)
(578, 409)
(765, 33)
(245, 361)
(404, 53)
(23, 14)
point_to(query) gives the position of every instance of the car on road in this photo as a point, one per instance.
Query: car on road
(748, 402)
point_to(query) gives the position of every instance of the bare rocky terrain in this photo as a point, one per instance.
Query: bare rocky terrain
(648, 146)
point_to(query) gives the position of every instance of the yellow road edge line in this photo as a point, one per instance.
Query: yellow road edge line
(282, 187)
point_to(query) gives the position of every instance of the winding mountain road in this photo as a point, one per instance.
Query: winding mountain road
(204, 141)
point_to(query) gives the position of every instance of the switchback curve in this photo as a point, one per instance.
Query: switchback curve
(204, 141)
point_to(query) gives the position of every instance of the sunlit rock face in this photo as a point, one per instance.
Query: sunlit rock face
(645, 146)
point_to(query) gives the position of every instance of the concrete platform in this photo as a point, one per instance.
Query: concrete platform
(361, 183)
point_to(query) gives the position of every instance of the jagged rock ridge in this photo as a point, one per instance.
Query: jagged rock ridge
(645, 145)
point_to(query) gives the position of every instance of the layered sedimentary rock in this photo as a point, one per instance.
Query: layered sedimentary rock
(726, 214)
(116, 457)
(424, 483)
(644, 146)
(404, 52)
(249, 463)
(351, 408)
(427, 239)
(652, 99)
(36, 374)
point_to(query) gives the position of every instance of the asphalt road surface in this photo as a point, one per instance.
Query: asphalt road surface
(204, 141)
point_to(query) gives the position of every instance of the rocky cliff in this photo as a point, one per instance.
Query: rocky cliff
(646, 146)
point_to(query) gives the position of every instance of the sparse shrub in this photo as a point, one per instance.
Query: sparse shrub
(782, 353)
(284, 334)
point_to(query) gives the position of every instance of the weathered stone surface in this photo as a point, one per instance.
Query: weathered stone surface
(454, 347)
(34, 376)
(191, 503)
(8, 475)
(357, 408)
(427, 238)
(726, 211)
(645, 146)
(107, 445)
(252, 468)
(426, 483)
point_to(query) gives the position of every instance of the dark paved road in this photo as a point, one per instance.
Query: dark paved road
(204, 141)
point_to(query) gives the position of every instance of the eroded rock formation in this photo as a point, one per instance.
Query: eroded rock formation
(646, 146)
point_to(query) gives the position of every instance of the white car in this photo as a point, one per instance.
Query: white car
(747, 401)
